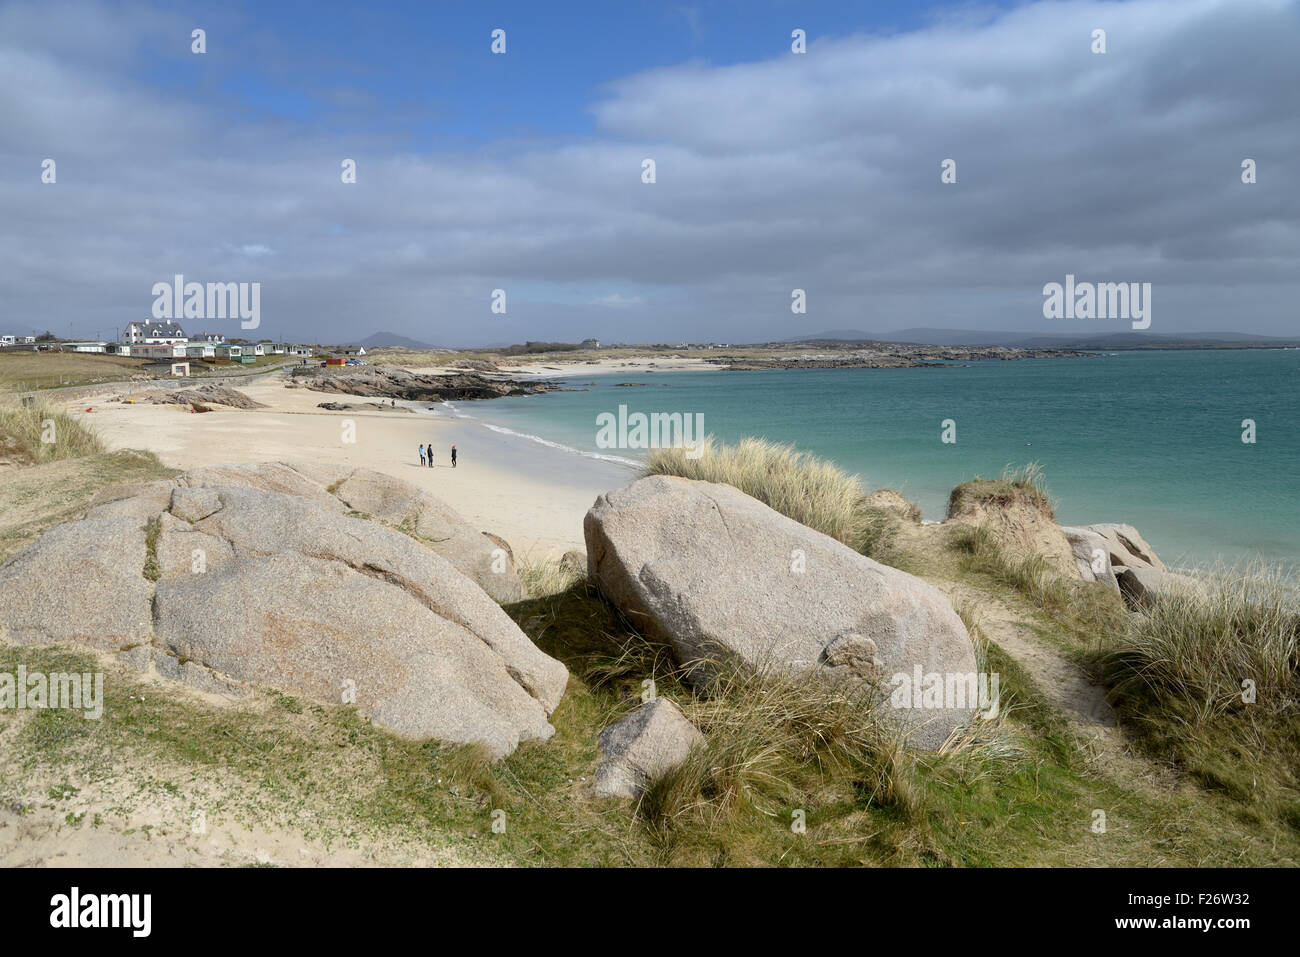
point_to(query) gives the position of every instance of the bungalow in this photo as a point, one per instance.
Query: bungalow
(279, 348)
(160, 350)
(225, 352)
(215, 338)
(201, 350)
(256, 349)
(117, 348)
(85, 346)
(350, 351)
(302, 351)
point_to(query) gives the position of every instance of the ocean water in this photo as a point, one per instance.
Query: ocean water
(1153, 438)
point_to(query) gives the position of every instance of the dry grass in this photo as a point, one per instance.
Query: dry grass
(1016, 485)
(797, 484)
(1201, 648)
(33, 431)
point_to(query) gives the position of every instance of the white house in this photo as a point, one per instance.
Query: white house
(302, 351)
(201, 350)
(161, 332)
(215, 338)
(8, 340)
(350, 351)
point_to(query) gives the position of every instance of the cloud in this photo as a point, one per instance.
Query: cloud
(818, 171)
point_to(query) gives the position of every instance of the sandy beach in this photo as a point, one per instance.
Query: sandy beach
(532, 495)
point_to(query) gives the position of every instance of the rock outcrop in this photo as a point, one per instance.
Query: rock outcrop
(205, 394)
(649, 742)
(715, 572)
(391, 382)
(1091, 555)
(480, 555)
(1127, 547)
(235, 577)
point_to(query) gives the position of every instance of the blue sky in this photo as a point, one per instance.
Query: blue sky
(776, 171)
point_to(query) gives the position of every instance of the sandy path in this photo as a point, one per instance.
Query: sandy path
(532, 495)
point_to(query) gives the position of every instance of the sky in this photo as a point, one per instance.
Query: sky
(522, 171)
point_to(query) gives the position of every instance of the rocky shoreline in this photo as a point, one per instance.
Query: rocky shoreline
(396, 383)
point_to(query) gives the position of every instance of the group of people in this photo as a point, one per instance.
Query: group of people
(426, 455)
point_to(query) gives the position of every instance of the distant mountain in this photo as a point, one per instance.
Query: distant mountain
(1029, 340)
(393, 339)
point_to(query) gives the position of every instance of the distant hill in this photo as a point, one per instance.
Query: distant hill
(1029, 340)
(380, 339)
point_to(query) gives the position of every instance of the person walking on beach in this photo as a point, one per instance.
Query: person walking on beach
(430, 455)
(422, 455)
(453, 456)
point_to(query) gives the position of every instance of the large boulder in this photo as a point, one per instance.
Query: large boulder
(486, 559)
(1127, 546)
(79, 582)
(644, 745)
(1091, 555)
(715, 572)
(481, 556)
(245, 587)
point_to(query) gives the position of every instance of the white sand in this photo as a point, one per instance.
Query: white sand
(533, 496)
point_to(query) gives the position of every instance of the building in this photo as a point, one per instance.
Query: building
(350, 351)
(302, 351)
(215, 338)
(86, 346)
(200, 350)
(162, 332)
(225, 352)
(591, 343)
(160, 350)
(8, 340)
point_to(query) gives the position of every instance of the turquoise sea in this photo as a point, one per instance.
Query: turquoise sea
(1150, 438)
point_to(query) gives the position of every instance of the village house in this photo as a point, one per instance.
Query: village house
(226, 352)
(161, 332)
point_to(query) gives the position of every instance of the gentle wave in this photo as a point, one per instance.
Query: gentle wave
(564, 448)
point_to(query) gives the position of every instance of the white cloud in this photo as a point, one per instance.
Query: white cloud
(819, 171)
